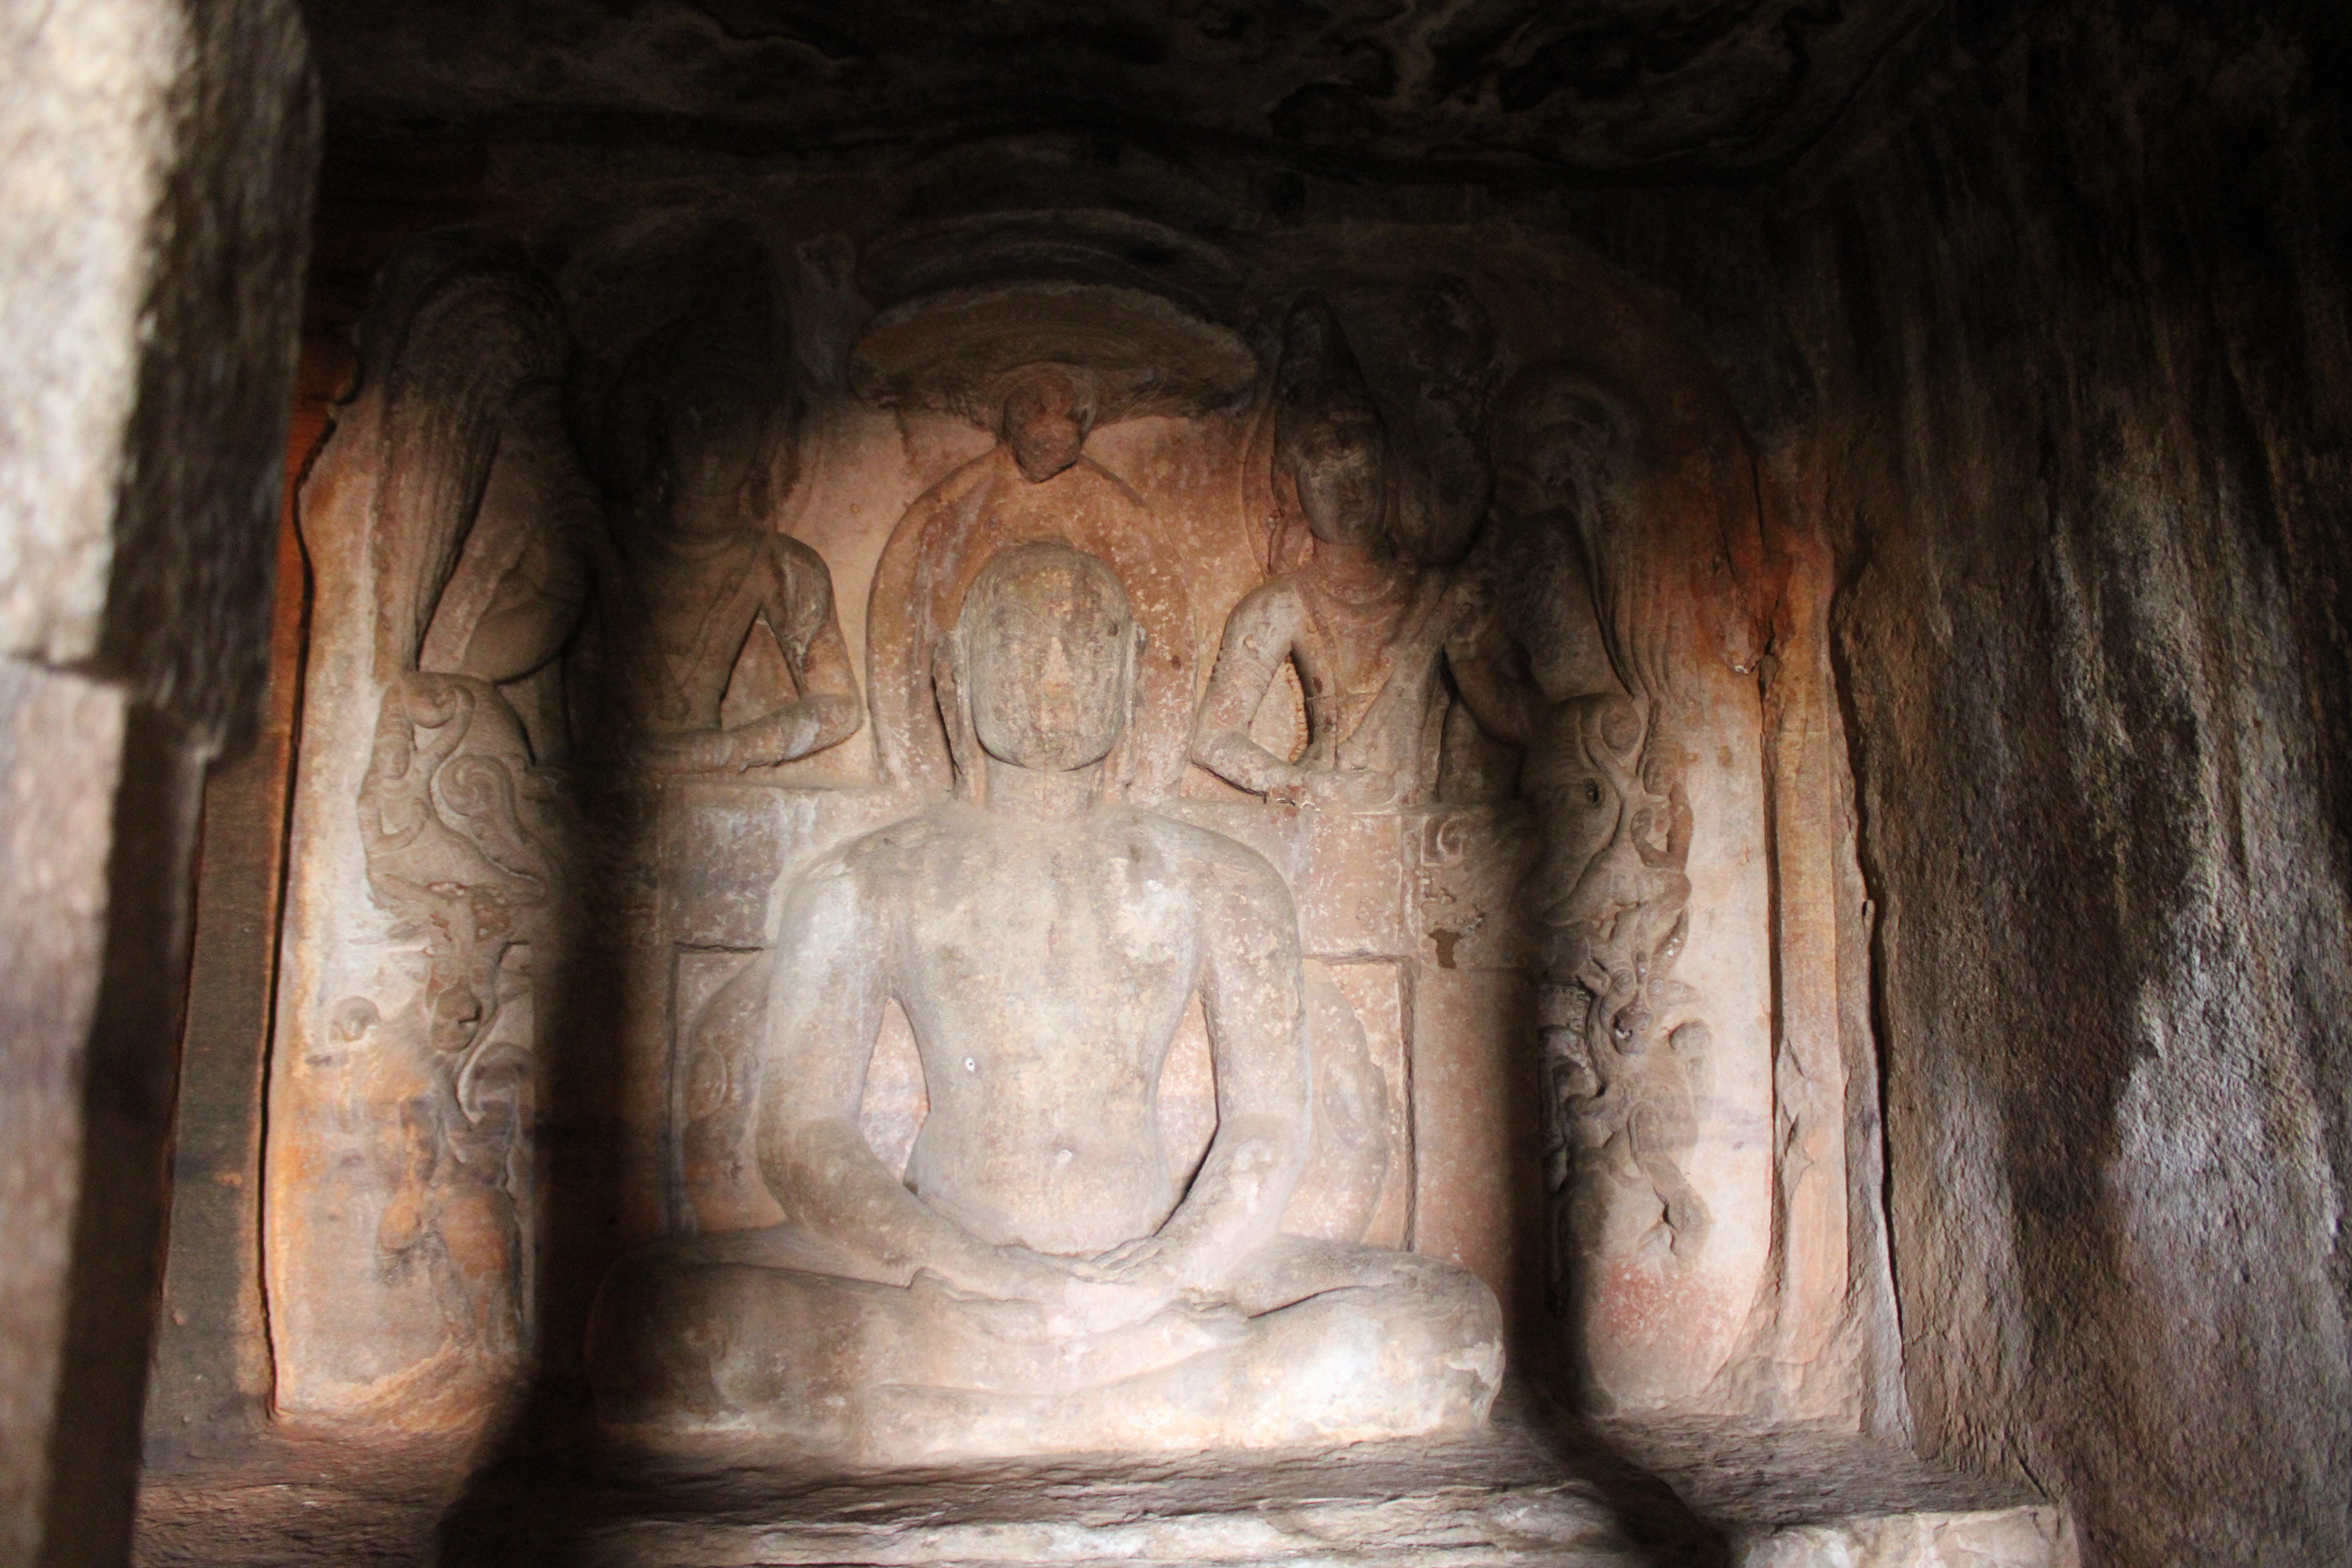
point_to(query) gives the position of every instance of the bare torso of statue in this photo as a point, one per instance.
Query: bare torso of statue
(1040, 1281)
(692, 604)
(1122, 905)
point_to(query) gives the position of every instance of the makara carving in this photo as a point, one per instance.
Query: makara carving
(1606, 640)
(463, 846)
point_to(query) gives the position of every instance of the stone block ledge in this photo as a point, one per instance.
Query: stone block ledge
(1528, 1491)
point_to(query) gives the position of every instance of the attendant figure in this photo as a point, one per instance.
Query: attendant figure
(699, 583)
(698, 571)
(1370, 635)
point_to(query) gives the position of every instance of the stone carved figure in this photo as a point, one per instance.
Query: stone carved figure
(1039, 1282)
(693, 571)
(703, 569)
(716, 1157)
(1350, 1163)
(463, 837)
(1369, 633)
(1041, 366)
(453, 833)
(454, 822)
(1349, 1158)
(1609, 901)
(1624, 1054)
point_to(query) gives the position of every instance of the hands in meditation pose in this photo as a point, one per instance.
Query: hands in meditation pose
(1040, 1281)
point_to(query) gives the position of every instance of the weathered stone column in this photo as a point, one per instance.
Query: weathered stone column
(155, 168)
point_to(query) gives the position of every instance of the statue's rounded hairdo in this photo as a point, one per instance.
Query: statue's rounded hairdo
(1001, 566)
(949, 662)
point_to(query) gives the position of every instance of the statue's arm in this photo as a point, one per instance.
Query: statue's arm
(802, 610)
(798, 605)
(1490, 672)
(531, 617)
(1257, 640)
(538, 600)
(824, 1009)
(1251, 994)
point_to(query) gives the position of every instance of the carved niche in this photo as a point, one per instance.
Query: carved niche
(639, 597)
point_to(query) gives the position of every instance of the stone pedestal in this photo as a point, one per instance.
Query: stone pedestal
(1522, 1493)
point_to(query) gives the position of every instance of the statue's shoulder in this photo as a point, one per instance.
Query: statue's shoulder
(1274, 602)
(884, 853)
(1208, 858)
(798, 564)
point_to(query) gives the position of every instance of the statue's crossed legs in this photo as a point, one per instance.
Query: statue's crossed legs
(1319, 1341)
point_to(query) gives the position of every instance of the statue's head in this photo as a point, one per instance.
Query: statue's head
(715, 436)
(1044, 417)
(1329, 441)
(720, 452)
(1338, 467)
(1559, 437)
(1048, 648)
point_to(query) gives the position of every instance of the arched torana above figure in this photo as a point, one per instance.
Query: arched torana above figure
(1042, 367)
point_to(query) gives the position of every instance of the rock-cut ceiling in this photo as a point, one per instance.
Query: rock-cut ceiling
(1600, 86)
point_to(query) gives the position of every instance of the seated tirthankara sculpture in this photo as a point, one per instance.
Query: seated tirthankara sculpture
(1041, 1281)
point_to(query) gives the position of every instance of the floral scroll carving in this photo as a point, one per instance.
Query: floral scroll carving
(461, 839)
(1610, 902)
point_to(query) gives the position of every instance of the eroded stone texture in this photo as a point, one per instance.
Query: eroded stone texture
(1363, 630)
(153, 211)
(1522, 1490)
(2078, 331)
(1641, 747)
(1642, 84)
(2068, 317)
(2012, 1538)
(457, 549)
(1040, 1281)
(59, 834)
(211, 1382)
(1042, 367)
(403, 1071)
(157, 187)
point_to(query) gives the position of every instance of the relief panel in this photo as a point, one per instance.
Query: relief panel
(668, 602)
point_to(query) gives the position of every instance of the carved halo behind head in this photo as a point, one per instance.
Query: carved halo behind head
(1120, 352)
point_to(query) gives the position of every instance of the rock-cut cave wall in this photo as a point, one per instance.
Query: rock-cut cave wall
(2059, 355)
(2076, 348)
